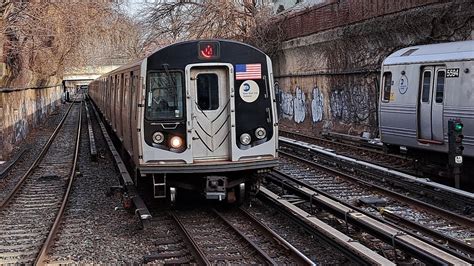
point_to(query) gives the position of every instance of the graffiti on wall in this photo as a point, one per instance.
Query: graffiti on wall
(346, 105)
(295, 106)
(20, 130)
(43, 110)
(285, 100)
(317, 105)
(21, 126)
(299, 105)
(21, 111)
(350, 105)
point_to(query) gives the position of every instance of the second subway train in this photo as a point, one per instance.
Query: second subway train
(423, 87)
(197, 115)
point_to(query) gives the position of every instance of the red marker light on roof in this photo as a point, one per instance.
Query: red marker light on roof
(208, 50)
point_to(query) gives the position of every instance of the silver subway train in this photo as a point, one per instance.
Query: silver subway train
(196, 115)
(422, 88)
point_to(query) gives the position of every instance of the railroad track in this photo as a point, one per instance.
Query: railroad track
(5, 169)
(275, 246)
(31, 211)
(223, 237)
(172, 245)
(362, 151)
(452, 230)
(441, 199)
(320, 225)
(12, 171)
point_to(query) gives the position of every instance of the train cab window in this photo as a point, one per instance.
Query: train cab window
(165, 96)
(207, 92)
(425, 92)
(440, 86)
(387, 86)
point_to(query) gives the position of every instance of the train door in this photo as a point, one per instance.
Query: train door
(210, 96)
(131, 110)
(120, 101)
(126, 111)
(430, 108)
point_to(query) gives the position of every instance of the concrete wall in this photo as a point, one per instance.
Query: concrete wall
(23, 110)
(327, 70)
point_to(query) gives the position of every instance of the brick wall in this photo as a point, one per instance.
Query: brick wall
(337, 13)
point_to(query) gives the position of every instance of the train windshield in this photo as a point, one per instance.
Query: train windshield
(165, 96)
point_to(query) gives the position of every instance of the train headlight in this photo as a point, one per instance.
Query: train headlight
(260, 133)
(176, 142)
(245, 139)
(158, 137)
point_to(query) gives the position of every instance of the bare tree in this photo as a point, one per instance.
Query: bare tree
(171, 21)
(46, 37)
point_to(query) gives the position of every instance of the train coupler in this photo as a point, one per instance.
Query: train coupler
(216, 187)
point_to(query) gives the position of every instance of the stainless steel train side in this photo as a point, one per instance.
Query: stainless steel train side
(422, 87)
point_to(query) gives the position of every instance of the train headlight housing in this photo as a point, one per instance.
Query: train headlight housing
(158, 137)
(245, 139)
(176, 142)
(260, 133)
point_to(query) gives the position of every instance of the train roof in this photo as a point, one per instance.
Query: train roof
(451, 51)
(138, 62)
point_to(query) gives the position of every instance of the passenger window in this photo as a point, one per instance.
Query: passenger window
(207, 91)
(425, 93)
(387, 86)
(440, 86)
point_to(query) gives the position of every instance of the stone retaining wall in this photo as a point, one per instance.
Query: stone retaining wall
(23, 110)
(327, 73)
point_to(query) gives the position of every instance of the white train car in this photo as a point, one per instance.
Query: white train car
(196, 115)
(422, 88)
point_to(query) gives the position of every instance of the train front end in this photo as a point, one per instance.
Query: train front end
(209, 119)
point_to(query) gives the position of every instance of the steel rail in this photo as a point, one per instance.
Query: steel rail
(92, 146)
(267, 259)
(355, 251)
(391, 234)
(198, 252)
(297, 256)
(376, 149)
(54, 228)
(36, 162)
(446, 213)
(468, 196)
(262, 253)
(446, 240)
(454, 243)
(9, 165)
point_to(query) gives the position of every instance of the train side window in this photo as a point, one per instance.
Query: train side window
(440, 86)
(387, 86)
(425, 92)
(207, 91)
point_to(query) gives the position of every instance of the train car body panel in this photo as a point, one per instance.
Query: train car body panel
(209, 97)
(203, 107)
(422, 88)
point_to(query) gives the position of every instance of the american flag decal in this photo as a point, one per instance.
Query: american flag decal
(248, 71)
